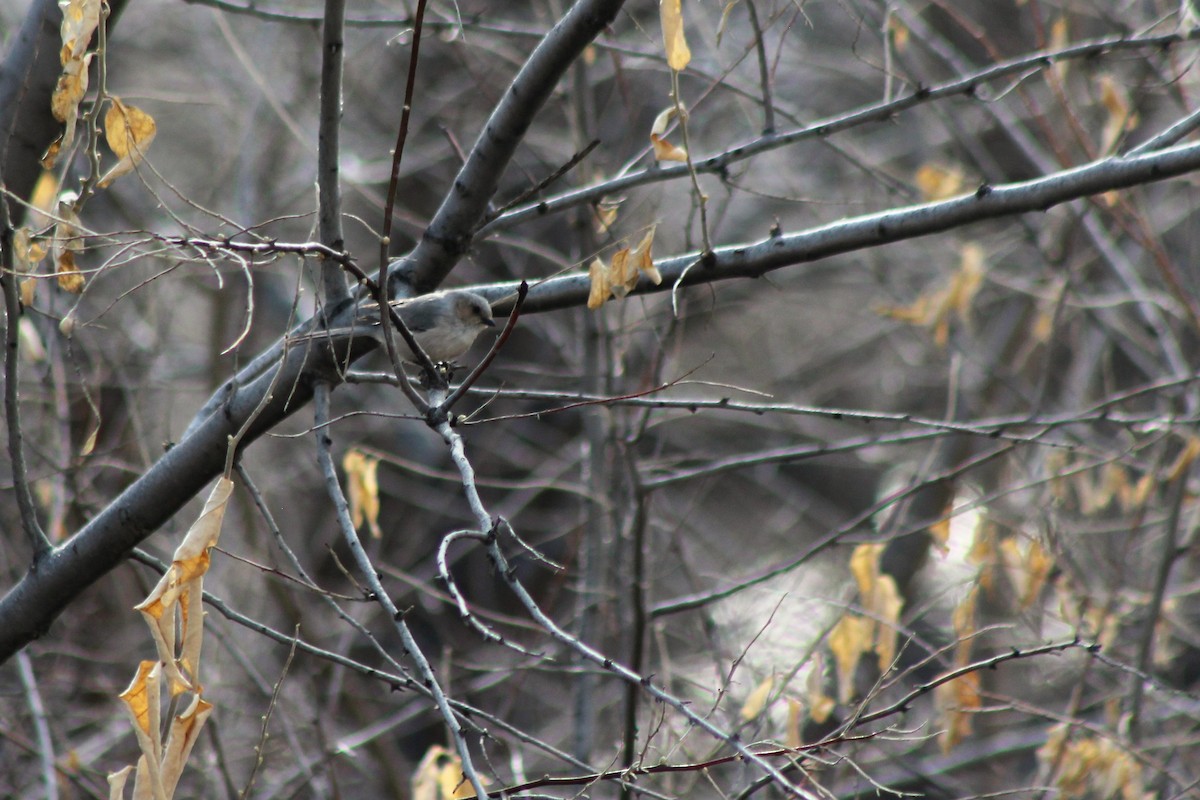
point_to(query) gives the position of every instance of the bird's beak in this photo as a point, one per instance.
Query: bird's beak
(491, 323)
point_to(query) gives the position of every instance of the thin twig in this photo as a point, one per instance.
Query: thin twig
(386, 313)
(1153, 611)
(260, 748)
(545, 183)
(764, 76)
(37, 710)
(370, 575)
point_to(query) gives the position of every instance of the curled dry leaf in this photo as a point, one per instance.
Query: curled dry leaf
(181, 588)
(64, 103)
(129, 132)
(664, 150)
(643, 260)
(848, 640)
(955, 701)
(601, 286)
(28, 251)
(820, 705)
(622, 275)
(80, 20)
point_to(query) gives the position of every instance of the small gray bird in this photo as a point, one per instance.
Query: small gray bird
(445, 324)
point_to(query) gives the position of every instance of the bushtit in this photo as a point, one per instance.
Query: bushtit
(445, 324)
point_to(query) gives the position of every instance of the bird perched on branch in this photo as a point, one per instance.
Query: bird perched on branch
(445, 324)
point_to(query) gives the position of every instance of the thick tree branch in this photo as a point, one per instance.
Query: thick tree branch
(872, 230)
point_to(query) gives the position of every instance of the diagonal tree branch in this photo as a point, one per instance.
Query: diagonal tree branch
(755, 259)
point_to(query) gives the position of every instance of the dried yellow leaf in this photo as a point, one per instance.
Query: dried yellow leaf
(935, 307)
(28, 252)
(601, 287)
(51, 156)
(1120, 118)
(65, 242)
(80, 18)
(954, 700)
(886, 604)
(1092, 766)
(363, 489)
(138, 697)
(820, 705)
(606, 214)
(643, 260)
(117, 781)
(185, 729)
(1184, 460)
(756, 702)
(1059, 31)
(621, 273)
(64, 103)
(848, 640)
(864, 566)
(1028, 566)
(900, 34)
(181, 589)
(966, 282)
(665, 151)
(89, 444)
(939, 182)
(965, 626)
(678, 54)
(662, 121)
(129, 132)
(794, 734)
(70, 279)
(439, 776)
